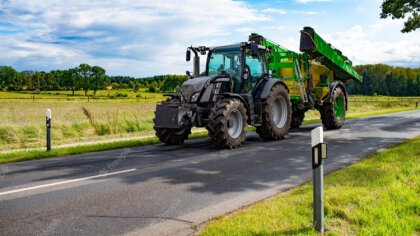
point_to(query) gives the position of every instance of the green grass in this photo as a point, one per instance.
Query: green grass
(22, 121)
(376, 196)
(365, 114)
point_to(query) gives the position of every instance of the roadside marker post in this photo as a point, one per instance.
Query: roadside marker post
(48, 124)
(319, 153)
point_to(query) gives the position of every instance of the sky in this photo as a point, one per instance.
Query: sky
(142, 38)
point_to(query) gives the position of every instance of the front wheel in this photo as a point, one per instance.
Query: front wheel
(277, 114)
(227, 123)
(333, 114)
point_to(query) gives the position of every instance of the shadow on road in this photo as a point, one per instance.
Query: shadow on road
(257, 165)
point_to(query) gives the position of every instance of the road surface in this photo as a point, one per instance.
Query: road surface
(159, 189)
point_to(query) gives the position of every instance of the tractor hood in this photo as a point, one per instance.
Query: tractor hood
(191, 86)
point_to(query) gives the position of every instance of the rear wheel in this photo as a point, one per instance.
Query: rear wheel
(333, 114)
(277, 114)
(227, 123)
(170, 135)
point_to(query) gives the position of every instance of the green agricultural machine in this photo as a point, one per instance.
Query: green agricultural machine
(257, 83)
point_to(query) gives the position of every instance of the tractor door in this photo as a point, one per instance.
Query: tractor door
(254, 69)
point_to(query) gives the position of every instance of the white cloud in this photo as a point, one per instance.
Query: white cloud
(142, 38)
(370, 45)
(274, 10)
(150, 36)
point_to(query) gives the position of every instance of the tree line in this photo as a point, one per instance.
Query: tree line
(83, 77)
(380, 79)
(157, 83)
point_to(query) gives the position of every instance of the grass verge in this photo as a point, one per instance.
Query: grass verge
(15, 156)
(365, 114)
(376, 196)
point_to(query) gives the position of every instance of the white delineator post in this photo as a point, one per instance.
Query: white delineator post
(48, 124)
(319, 152)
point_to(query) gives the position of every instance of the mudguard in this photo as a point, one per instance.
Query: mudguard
(265, 87)
(332, 86)
(234, 95)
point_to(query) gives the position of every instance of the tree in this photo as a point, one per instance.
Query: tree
(153, 87)
(39, 80)
(69, 79)
(85, 77)
(26, 77)
(99, 78)
(8, 78)
(398, 9)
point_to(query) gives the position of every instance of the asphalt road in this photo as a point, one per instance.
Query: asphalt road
(163, 189)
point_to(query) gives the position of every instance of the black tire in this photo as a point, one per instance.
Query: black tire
(219, 122)
(172, 136)
(297, 119)
(331, 117)
(268, 129)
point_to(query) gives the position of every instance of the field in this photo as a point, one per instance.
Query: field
(75, 118)
(376, 196)
(110, 115)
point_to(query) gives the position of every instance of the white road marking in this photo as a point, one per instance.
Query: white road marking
(64, 182)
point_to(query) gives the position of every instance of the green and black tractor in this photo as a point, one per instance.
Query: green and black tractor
(256, 83)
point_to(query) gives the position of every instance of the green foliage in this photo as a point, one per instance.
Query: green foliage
(399, 9)
(158, 83)
(84, 77)
(386, 80)
(8, 78)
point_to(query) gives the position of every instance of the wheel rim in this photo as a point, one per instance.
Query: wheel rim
(235, 124)
(339, 108)
(279, 112)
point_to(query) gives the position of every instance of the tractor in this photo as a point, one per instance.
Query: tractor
(257, 83)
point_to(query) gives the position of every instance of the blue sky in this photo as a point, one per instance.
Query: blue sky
(141, 38)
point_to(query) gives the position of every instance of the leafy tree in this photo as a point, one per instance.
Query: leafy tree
(8, 78)
(399, 9)
(26, 77)
(153, 87)
(99, 78)
(39, 80)
(386, 80)
(69, 79)
(85, 77)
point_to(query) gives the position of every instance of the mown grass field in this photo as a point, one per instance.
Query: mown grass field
(376, 196)
(110, 115)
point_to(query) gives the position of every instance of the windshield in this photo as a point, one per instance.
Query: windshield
(225, 59)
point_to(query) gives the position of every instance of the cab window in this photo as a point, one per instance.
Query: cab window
(255, 66)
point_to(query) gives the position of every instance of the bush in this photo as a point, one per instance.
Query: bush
(152, 89)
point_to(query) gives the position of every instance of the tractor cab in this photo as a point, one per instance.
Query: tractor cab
(243, 63)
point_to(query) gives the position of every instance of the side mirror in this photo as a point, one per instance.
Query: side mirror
(188, 73)
(188, 55)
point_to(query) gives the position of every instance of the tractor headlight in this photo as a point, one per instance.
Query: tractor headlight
(194, 97)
